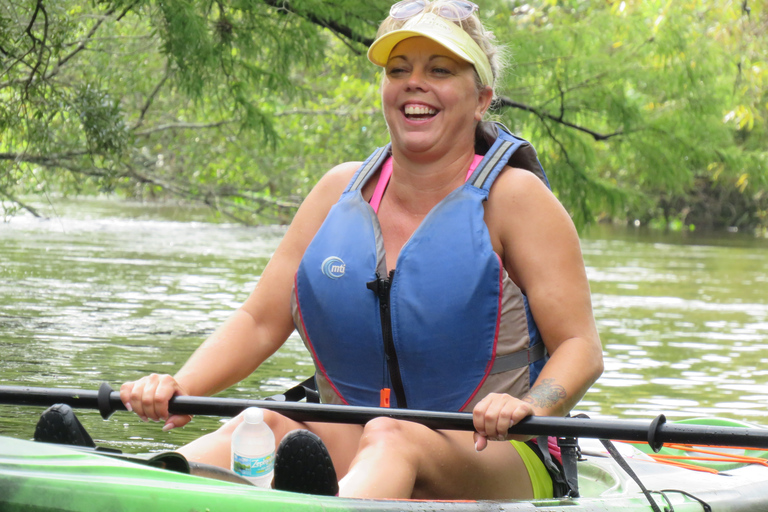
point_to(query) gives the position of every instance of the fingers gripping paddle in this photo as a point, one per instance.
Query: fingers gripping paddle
(655, 432)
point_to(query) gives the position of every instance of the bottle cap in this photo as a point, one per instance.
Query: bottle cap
(253, 415)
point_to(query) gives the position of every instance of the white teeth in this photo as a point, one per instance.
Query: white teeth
(415, 110)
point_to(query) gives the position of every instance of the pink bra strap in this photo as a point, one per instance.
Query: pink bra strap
(386, 174)
(381, 185)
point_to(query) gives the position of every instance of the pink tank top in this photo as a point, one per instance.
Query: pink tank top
(386, 174)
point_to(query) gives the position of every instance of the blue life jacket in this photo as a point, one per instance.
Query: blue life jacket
(445, 328)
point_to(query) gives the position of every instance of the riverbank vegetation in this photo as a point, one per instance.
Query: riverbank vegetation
(651, 112)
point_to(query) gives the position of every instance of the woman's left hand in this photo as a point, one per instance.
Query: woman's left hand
(494, 415)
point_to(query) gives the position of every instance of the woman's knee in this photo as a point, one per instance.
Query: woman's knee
(229, 427)
(387, 434)
(273, 420)
(281, 425)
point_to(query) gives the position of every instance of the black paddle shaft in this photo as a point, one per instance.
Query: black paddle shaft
(655, 432)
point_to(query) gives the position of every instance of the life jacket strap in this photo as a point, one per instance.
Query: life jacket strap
(369, 167)
(488, 167)
(519, 359)
(506, 150)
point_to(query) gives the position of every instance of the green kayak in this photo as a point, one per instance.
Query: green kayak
(46, 477)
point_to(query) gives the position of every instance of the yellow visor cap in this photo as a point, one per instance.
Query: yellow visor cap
(442, 31)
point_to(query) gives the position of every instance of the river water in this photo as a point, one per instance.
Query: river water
(105, 291)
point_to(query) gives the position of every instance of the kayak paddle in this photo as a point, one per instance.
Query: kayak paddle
(655, 432)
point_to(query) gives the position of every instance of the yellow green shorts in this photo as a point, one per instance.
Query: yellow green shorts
(540, 479)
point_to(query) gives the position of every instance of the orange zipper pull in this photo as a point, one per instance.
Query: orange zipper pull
(384, 397)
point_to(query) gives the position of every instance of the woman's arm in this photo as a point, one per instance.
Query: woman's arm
(255, 331)
(541, 252)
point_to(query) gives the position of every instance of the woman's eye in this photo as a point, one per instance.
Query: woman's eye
(395, 71)
(441, 71)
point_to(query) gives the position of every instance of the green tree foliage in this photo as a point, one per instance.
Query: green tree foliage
(644, 109)
(230, 103)
(639, 109)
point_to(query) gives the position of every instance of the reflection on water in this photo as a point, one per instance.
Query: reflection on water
(684, 324)
(106, 292)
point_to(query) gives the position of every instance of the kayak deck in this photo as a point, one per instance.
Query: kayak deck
(38, 476)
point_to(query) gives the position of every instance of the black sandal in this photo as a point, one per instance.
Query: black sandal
(58, 424)
(302, 464)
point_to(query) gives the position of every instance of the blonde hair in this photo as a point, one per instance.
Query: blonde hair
(473, 27)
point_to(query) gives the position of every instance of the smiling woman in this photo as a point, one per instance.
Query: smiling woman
(430, 99)
(439, 274)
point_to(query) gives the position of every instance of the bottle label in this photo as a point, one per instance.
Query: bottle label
(253, 467)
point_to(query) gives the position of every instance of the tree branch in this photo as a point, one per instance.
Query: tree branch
(23, 205)
(309, 112)
(182, 126)
(506, 102)
(39, 7)
(216, 199)
(73, 168)
(40, 159)
(80, 45)
(336, 28)
(559, 144)
(151, 98)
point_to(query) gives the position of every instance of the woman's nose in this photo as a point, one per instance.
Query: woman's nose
(416, 80)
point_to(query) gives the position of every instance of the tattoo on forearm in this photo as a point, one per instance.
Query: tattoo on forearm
(545, 394)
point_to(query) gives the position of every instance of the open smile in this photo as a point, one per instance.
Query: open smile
(420, 112)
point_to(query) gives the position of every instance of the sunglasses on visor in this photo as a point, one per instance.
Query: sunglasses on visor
(454, 10)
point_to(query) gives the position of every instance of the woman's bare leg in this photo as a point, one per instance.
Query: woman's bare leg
(341, 440)
(395, 459)
(398, 459)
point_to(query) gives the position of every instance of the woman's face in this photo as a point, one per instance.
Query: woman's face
(430, 98)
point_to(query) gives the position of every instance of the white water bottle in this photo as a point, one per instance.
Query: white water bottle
(253, 448)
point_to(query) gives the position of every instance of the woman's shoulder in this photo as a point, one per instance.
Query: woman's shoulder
(347, 169)
(520, 199)
(341, 173)
(519, 185)
(318, 203)
(328, 190)
(332, 183)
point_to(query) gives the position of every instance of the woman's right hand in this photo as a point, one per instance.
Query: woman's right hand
(149, 396)
(495, 414)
